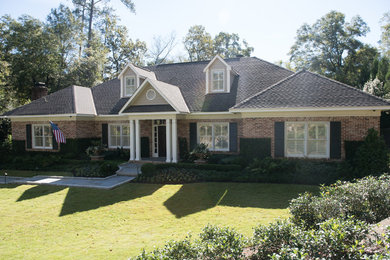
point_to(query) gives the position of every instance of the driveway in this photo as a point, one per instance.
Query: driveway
(98, 183)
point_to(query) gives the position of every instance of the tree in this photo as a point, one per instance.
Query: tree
(322, 46)
(201, 46)
(358, 66)
(228, 45)
(377, 88)
(198, 43)
(120, 48)
(90, 9)
(385, 37)
(161, 48)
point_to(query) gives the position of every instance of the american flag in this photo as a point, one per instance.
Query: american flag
(60, 138)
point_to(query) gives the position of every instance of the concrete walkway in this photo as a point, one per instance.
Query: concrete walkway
(98, 183)
(9, 179)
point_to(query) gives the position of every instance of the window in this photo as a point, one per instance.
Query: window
(130, 86)
(119, 136)
(307, 139)
(217, 79)
(42, 137)
(215, 135)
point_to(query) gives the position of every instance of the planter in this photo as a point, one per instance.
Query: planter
(96, 157)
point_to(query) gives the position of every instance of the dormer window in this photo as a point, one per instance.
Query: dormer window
(218, 80)
(130, 85)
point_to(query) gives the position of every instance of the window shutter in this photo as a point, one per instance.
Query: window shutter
(335, 140)
(279, 139)
(193, 136)
(28, 137)
(105, 135)
(55, 144)
(233, 137)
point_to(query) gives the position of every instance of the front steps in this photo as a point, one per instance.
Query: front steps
(129, 169)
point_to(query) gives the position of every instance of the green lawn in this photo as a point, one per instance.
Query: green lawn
(54, 222)
(23, 173)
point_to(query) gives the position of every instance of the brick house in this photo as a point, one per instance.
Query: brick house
(219, 102)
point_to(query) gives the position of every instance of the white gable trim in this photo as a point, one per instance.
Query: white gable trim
(228, 67)
(128, 103)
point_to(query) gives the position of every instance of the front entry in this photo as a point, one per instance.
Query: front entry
(159, 138)
(162, 141)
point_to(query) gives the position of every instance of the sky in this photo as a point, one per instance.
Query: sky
(268, 26)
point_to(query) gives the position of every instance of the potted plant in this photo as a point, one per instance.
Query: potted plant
(200, 153)
(95, 151)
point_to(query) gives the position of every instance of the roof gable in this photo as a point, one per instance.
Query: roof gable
(170, 93)
(217, 57)
(305, 89)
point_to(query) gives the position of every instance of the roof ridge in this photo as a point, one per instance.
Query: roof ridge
(347, 86)
(268, 88)
(254, 57)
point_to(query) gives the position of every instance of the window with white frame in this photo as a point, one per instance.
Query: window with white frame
(218, 80)
(215, 135)
(42, 137)
(119, 136)
(307, 139)
(130, 85)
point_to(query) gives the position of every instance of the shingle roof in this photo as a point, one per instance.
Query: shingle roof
(307, 89)
(107, 97)
(60, 102)
(253, 75)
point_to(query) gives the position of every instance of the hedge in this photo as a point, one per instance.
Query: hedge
(251, 148)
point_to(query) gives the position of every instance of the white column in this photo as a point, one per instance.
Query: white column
(174, 141)
(168, 142)
(137, 141)
(132, 143)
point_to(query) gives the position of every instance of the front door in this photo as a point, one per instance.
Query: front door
(162, 141)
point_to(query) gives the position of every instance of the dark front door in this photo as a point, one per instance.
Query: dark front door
(162, 142)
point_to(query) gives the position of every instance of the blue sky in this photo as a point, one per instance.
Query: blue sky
(269, 26)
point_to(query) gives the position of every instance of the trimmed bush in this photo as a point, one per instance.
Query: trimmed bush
(104, 169)
(255, 148)
(367, 199)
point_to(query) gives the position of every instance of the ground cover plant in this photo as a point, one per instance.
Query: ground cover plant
(51, 222)
(333, 225)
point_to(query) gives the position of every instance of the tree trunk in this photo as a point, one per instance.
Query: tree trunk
(90, 23)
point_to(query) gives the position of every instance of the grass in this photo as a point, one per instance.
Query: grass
(55, 222)
(23, 173)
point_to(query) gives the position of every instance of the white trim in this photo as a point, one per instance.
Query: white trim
(168, 140)
(237, 110)
(150, 92)
(43, 136)
(174, 140)
(139, 89)
(305, 140)
(120, 136)
(212, 124)
(137, 140)
(220, 59)
(132, 143)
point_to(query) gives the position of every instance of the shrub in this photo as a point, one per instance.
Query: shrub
(96, 170)
(367, 199)
(255, 148)
(183, 149)
(371, 157)
(334, 239)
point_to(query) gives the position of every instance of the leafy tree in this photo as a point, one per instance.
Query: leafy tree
(377, 88)
(121, 49)
(385, 37)
(228, 45)
(201, 46)
(358, 66)
(321, 47)
(198, 43)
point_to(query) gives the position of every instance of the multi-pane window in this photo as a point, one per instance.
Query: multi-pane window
(119, 136)
(217, 78)
(42, 137)
(307, 139)
(215, 135)
(130, 85)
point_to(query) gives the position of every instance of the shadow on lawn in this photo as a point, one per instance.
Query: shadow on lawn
(39, 191)
(81, 199)
(192, 198)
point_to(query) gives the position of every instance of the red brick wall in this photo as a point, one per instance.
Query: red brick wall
(353, 128)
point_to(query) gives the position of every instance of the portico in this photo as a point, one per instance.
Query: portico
(170, 139)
